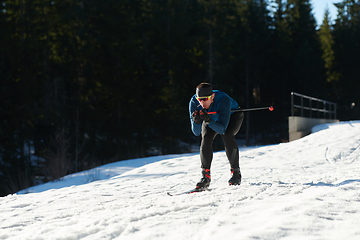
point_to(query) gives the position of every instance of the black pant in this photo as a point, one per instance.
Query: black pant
(231, 148)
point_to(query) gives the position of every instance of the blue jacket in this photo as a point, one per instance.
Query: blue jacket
(223, 104)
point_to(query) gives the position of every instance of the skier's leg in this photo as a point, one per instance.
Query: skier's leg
(231, 147)
(206, 148)
(206, 155)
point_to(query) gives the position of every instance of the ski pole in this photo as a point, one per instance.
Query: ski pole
(246, 110)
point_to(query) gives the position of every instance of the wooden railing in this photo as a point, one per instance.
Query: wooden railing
(322, 108)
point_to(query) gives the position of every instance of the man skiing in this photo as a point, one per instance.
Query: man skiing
(223, 122)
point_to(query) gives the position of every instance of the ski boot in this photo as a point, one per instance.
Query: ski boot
(205, 180)
(236, 176)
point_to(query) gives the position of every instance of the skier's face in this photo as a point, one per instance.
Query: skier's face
(205, 103)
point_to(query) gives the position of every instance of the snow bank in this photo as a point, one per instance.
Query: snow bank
(305, 189)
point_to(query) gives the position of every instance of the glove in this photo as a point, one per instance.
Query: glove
(196, 117)
(205, 117)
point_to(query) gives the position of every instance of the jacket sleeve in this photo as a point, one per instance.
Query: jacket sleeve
(224, 117)
(195, 128)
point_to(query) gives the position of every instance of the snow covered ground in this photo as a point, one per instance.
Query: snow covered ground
(305, 189)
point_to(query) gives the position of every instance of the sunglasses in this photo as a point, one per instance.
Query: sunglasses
(203, 98)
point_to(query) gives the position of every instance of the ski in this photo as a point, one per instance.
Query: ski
(189, 192)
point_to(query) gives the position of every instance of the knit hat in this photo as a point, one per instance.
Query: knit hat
(204, 90)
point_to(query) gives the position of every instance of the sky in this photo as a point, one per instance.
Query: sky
(305, 189)
(319, 9)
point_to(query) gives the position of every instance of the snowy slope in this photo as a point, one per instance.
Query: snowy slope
(305, 189)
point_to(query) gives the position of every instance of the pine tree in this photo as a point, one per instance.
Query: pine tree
(346, 34)
(307, 66)
(327, 43)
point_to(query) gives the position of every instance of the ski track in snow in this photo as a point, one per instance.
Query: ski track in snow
(305, 189)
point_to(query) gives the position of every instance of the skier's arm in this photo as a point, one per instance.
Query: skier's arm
(224, 117)
(196, 128)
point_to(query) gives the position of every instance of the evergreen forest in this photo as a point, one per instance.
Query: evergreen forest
(89, 82)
